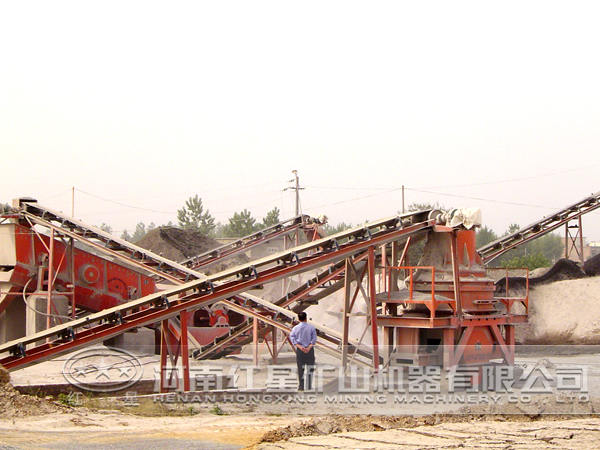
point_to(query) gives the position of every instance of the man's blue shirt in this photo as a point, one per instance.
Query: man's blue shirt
(304, 334)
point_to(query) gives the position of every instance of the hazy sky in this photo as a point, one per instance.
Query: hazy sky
(494, 105)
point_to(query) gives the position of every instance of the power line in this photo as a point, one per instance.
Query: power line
(481, 199)
(124, 204)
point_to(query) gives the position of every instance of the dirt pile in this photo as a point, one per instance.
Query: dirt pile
(177, 244)
(15, 404)
(563, 269)
(592, 266)
(4, 376)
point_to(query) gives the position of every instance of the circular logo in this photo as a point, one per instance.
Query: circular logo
(102, 369)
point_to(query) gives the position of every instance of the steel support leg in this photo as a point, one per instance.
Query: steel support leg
(373, 308)
(185, 355)
(345, 317)
(456, 275)
(255, 341)
(448, 343)
(50, 279)
(164, 350)
(274, 343)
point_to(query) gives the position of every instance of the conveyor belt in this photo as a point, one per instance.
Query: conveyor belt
(545, 225)
(231, 249)
(203, 292)
(106, 243)
(240, 335)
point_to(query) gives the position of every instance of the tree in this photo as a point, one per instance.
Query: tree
(240, 224)
(484, 236)
(512, 228)
(543, 250)
(140, 232)
(106, 228)
(531, 261)
(330, 229)
(193, 217)
(126, 236)
(272, 218)
(424, 206)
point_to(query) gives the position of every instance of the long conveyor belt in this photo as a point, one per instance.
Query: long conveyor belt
(243, 244)
(493, 250)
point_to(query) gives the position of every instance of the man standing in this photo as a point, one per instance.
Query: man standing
(304, 338)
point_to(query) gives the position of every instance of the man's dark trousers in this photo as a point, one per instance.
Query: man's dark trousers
(302, 360)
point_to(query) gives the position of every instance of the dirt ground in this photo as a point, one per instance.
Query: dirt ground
(81, 428)
(486, 432)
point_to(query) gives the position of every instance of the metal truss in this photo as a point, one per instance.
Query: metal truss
(545, 225)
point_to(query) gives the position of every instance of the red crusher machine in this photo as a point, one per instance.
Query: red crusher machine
(446, 313)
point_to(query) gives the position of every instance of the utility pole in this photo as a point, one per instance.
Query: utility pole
(297, 188)
(403, 211)
(73, 201)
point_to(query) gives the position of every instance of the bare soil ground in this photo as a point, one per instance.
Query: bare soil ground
(489, 432)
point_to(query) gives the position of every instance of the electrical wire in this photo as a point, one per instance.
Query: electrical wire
(55, 316)
(481, 199)
(125, 204)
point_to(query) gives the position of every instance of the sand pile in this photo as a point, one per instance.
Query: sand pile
(14, 404)
(176, 244)
(563, 312)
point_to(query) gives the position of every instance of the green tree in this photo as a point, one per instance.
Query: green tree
(126, 236)
(140, 232)
(193, 216)
(106, 228)
(272, 218)
(333, 229)
(512, 228)
(484, 236)
(241, 224)
(531, 261)
(547, 249)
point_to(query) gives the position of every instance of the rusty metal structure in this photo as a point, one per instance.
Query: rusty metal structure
(442, 311)
(570, 217)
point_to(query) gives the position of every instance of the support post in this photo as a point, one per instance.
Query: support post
(50, 279)
(72, 276)
(164, 350)
(574, 241)
(274, 343)
(185, 356)
(346, 311)
(581, 240)
(456, 275)
(373, 308)
(393, 278)
(448, 343)
(509, 331)
(255, 340)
